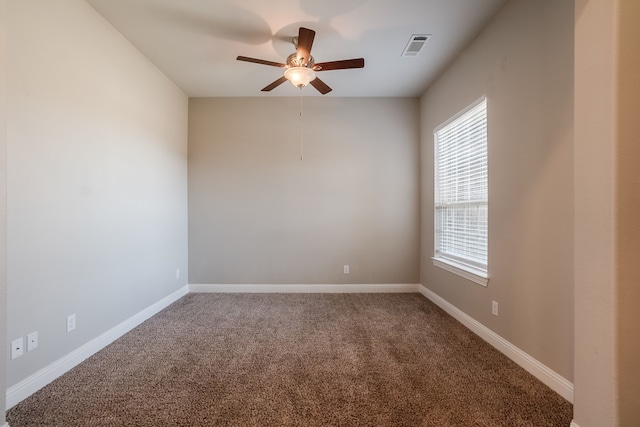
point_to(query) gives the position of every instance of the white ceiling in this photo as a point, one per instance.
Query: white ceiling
(195, 42)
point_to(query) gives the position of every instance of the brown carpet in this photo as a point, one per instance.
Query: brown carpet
(296, 360)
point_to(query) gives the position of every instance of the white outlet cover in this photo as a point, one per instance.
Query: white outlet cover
(17, 348)
(346, 269)
(71, 322)
(32, 341)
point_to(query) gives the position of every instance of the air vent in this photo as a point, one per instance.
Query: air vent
(415, 44)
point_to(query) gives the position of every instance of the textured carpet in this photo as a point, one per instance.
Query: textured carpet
(296, 360)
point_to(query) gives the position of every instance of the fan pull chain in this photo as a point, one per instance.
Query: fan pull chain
(301, 128)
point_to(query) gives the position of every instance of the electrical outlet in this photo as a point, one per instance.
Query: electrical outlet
(177, 273)
(494, 308)
(71, 322)
(346, 269)
(32, 341)
(17, 348)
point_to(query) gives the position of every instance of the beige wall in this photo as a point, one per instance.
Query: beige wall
(3, 214)
(96, 177)
(257, 214)
(628, 214)
(595, 389)
(607, 237)
(523, 63)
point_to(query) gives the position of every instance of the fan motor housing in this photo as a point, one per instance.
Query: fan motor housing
(294, 61)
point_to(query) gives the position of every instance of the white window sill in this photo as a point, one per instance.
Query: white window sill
(477, 276)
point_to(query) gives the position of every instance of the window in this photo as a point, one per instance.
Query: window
(461, 194)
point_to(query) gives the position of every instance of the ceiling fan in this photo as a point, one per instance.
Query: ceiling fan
(300, 68)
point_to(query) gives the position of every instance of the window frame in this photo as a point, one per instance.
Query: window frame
(474, 271)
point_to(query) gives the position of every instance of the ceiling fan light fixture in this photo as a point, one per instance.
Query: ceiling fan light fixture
(300, 68)
(299, 76)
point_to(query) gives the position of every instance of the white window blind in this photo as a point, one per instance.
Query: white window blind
(461, 190)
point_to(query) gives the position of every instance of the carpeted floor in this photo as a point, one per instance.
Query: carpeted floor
(296, 360)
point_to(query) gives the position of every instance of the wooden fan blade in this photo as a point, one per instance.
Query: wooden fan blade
(339, 65)
(274, 84)
(320, 85)
(260, 61)
(305, 41)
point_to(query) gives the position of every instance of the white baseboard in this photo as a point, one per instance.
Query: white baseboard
(574, 424)
(552, 379)
(309, 289)
(44, 376)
